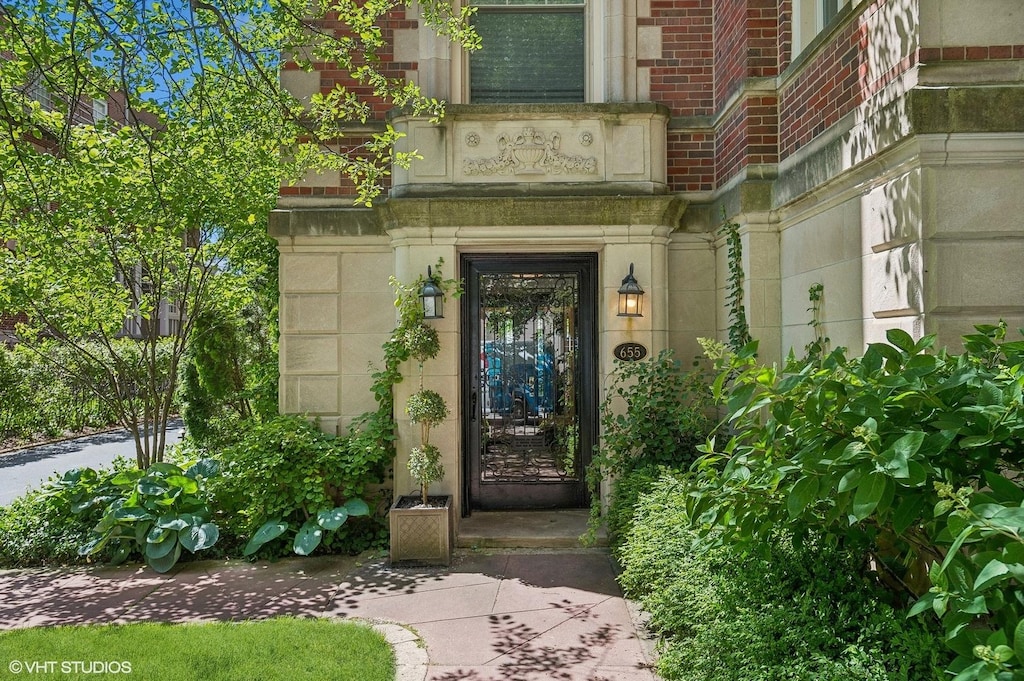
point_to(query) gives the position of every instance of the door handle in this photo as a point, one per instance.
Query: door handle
(472, 404)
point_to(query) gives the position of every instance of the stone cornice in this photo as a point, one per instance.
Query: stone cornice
(533, 211)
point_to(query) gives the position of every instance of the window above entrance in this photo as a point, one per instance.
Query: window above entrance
(533, 52)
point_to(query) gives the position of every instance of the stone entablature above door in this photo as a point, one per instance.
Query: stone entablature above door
(508, 150)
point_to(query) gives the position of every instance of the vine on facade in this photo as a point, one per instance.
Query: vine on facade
(739, 330)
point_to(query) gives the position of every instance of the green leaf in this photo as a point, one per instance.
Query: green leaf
(165, 563)
(869, 493)
(308, 538)
(952, 552)
(93, 545)
(900, 339)
(332, 519)
(161, 549)
(357, 507)
(206, 468)
(199, 537)
(908, 512)
(922, 604)
(1008, 490)
(156, 535)
(171, 521)
(152, 486)
(185, 483)
(804, 492)
(132, 513)
(270, 530)
(990, 394)
(1011, 519)
(1018, 641)
(850, 480)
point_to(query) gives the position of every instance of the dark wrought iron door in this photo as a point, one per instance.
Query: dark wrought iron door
(528, 379)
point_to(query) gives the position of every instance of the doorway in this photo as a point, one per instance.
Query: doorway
(529, 383)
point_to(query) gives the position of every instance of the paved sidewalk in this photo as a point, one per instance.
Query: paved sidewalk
(501, 615)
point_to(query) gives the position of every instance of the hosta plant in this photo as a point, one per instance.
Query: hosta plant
(158, 512)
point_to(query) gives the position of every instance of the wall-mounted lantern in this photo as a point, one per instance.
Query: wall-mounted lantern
(631, 296)
(432, 298)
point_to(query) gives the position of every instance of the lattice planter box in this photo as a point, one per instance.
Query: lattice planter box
(422, 534)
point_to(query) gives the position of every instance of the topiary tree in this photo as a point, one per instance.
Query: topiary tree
(427, 408)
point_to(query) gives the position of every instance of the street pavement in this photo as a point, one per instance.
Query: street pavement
(494, 615)
(24, 469)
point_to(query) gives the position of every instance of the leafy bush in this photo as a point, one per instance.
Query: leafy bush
(39, 528)
(44, 526)
(901, 450)
(663, 420)
(47, 392)
(654, 415)
(229, 374)
(155, 513)
(287, 474)
(625, 498)
(777, 611)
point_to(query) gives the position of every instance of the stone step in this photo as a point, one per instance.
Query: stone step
(558, 529)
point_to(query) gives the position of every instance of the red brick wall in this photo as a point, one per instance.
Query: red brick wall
(683, 77)
(931, 55)
(749, 136)
(746, 45)
(785, 37)
(691, 161)
(332, 75)
(827, 88)
(731, 47)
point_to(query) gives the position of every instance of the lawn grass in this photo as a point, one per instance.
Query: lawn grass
(284, 648)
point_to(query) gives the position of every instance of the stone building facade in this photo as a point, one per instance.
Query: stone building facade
(875, 148)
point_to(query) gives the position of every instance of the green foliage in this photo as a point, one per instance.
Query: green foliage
(38, 528)
(739, 331)
(16, 412)
(782, 612)
(44, 390)
(901, 450)
(818, 347)
(156, 512)
(427, 408)
(229, 374)
(288, 487)
(653, 415)
(425, 466)
(421, 341)
(622, 508)
(663, 420)
(415, 339)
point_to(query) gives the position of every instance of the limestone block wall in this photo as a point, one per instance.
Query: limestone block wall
(693, 305)
(336, 311)
(973, 232)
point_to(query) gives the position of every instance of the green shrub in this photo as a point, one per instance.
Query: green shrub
(776, 611)
(45, 527)
(39, 529)
(625, 498)
(913, 453)
(153, 513)
(654, 415)
(286, 472)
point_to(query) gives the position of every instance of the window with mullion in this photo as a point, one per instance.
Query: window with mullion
(530, 54)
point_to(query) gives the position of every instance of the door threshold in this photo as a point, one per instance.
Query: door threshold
(540, 529)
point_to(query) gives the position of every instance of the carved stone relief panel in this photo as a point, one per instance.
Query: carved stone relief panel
(526, 151)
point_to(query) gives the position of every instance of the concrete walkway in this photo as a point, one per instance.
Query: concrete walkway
(496, 615)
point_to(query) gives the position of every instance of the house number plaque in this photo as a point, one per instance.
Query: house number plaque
(629, 352)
